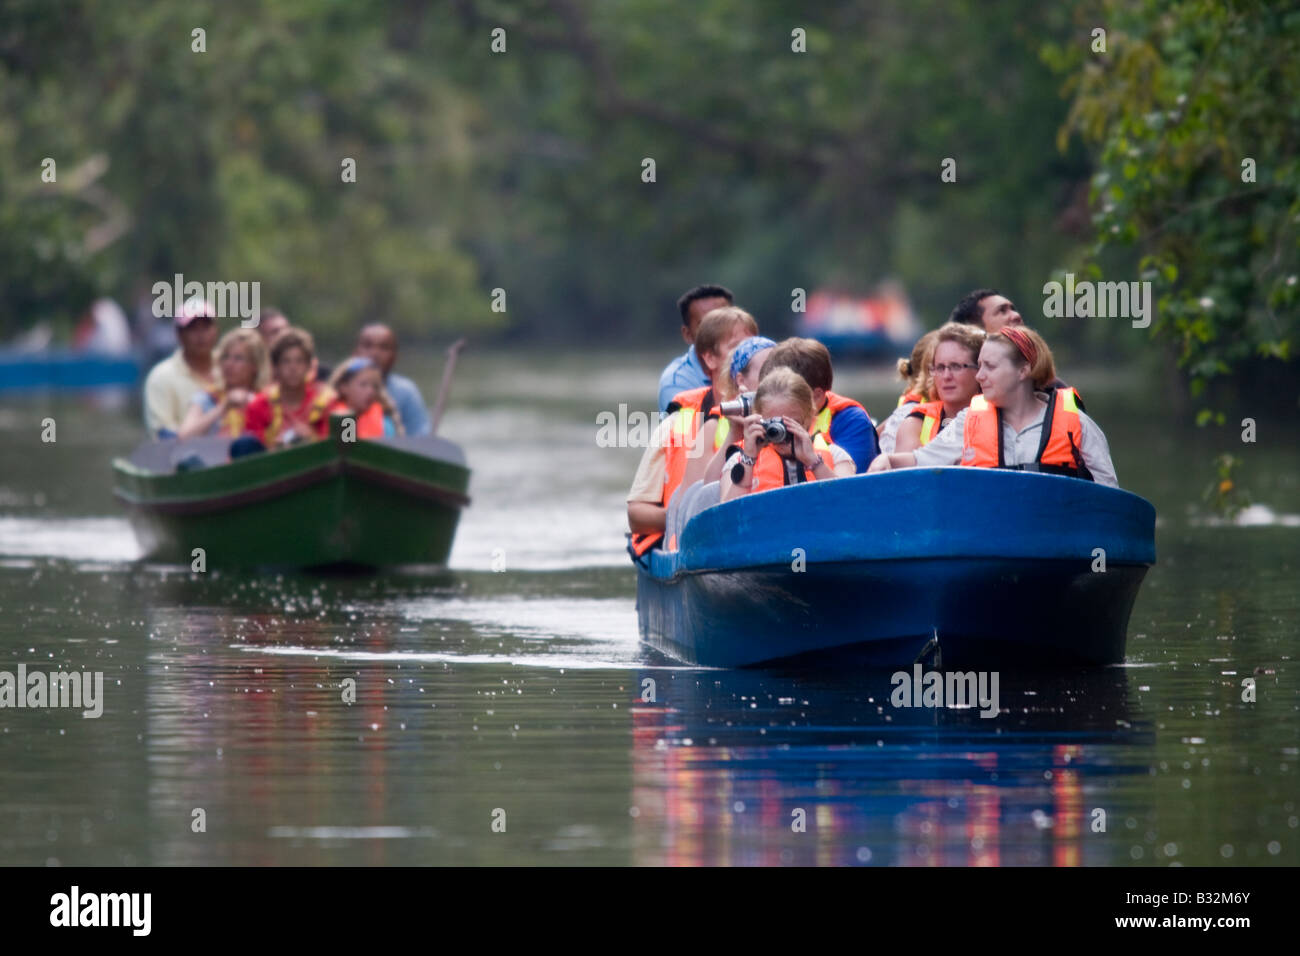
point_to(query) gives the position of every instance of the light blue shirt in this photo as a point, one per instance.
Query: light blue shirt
(207, 403)
(410, 404)
(682, 373)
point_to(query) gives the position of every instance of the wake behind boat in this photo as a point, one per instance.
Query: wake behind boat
(374, 503)
(1000, 567)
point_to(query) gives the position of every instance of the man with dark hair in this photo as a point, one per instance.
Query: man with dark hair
(270, 324)
(174, 381)
(378, 343)
(992, 311)
(987, 308)
(685, 371)
(843, 421)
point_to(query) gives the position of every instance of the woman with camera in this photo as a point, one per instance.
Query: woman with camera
(777, 450)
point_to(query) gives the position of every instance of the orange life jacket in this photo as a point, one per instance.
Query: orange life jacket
(931, 415)
(770, 471)
(689, 410)
(370, 423)
(909, 397)
(315, 415)
(825, 419)
(1058, 450)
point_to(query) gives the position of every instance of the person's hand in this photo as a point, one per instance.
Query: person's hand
(237, 398)
(295, 429)
(738, 420)
(879, 463)
(800, 444)
(753, 435)
(298, 423)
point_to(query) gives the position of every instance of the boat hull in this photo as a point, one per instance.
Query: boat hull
(328, 503)
(988, 561)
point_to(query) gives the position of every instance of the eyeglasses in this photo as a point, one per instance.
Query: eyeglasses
(943, 369)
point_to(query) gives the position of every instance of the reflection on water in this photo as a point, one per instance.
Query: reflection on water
(729, 771)
(227, 697)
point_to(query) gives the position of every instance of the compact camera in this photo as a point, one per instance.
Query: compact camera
(774, 431)
(741, 407)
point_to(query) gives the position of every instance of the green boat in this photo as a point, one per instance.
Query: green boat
(381, 502)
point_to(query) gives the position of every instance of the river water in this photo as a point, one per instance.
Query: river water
(500, 713)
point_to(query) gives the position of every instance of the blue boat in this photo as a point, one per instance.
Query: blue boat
(971, 567)
(880, 324)
(59, 369)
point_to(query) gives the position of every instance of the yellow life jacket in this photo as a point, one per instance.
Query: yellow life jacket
(317, 412)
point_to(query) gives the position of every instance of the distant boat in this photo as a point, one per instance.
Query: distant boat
(59, 369)
(987, 567)
(867, 325)
(374, 503)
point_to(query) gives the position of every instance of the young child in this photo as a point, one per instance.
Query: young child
(294, 407)
(762, 466)
(361, 394)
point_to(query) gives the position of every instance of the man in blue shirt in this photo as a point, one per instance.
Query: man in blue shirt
(686, 371)
(378, 343)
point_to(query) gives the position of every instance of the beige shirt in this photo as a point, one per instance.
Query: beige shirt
(648, 485)
(1021, 447)
(170, 386)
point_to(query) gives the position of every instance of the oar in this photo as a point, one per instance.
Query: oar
(445, 386)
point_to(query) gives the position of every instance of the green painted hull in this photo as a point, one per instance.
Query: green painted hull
(365, 503)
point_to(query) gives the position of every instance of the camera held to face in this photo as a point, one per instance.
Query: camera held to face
(774, 431)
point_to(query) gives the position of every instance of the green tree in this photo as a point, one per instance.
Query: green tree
(1193, 114)
(522, 169)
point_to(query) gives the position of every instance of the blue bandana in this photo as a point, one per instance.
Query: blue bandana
(746, 350)
(356, 364)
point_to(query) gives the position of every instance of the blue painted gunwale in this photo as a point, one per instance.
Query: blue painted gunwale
(999, 563)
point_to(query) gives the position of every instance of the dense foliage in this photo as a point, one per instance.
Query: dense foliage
(1194, 113)
(523, 169)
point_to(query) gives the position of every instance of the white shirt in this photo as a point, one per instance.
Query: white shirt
(1021, 447)
(889, 434)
